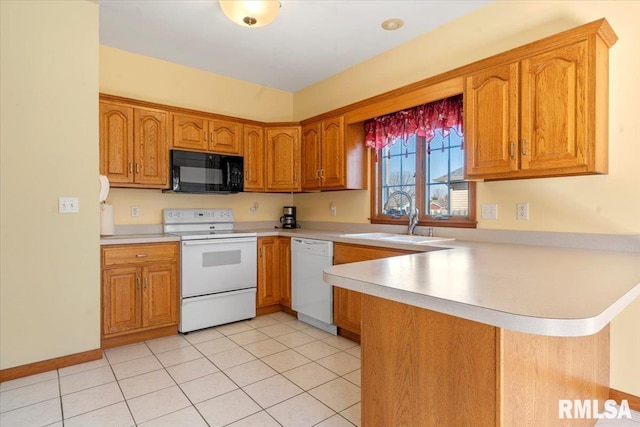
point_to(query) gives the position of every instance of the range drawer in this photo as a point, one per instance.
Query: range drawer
(139, 254)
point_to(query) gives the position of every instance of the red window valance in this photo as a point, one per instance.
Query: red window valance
(422, 120)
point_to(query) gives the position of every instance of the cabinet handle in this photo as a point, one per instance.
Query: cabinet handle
(524, 147)
(205, 135)
(317, 173)
(246, 176)
(295, 177)
(142, 255)
(137, 167)
(322, 174)
(211, 137)
(130, 167)
(137, 283)
(512, 149)
(260, 253)
(146, 282)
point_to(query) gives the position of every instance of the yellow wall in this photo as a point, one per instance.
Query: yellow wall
(594, 204)
(141, 77)
(49, 262)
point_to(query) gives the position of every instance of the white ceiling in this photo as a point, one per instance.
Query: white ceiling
(308, 41)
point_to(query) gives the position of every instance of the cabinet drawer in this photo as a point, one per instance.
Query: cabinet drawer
(139, 254)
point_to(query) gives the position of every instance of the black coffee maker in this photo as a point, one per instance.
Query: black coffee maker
(288, 218)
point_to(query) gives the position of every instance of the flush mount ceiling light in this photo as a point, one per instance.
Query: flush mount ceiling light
(392, 24)
(248, 13)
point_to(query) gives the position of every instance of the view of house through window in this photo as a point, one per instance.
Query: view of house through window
(424, 172)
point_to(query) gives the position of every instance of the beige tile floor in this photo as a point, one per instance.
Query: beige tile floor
(269, 371)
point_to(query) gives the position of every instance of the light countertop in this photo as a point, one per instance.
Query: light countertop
(533, 289)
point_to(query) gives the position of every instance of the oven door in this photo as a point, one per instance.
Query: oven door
(218, 265)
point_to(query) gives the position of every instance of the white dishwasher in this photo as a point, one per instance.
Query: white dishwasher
(311, 297)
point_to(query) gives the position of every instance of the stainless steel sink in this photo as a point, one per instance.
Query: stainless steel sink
(399, 238)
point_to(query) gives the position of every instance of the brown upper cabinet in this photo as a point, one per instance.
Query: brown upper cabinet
(543, 114)
(282, 160)
(200, 133)
(133, 145)
(333, 156)
(253, 158)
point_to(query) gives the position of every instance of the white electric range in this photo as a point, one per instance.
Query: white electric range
(218, 267)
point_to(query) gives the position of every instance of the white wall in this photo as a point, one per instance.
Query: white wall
(49, 262)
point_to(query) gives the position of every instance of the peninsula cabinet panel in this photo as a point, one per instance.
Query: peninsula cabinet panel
(133, 145)
(140, 292)
(253, 141)
(543, 115)
(429, 369)
(282, 163)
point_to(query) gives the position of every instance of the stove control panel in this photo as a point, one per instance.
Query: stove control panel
(196, 216)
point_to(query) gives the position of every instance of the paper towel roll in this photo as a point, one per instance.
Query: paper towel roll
(104, 188)
(106, 220)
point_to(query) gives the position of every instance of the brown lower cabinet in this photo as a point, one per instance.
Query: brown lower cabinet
(347, 305)
(140, 292)
(274, 274)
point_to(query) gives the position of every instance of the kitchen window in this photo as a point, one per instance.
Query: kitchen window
(419, 154)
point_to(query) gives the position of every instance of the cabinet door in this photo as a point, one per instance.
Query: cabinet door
(332, 172)
(347, 309)
(225, 137)
(554, 109)
(190, 132)
(311, 156)
(150, 149)
(120, 300)
(160, 295)
(268, 272)
(116, 142)
(283, 159)
(491, 122)
(253, 142)
(284, 258)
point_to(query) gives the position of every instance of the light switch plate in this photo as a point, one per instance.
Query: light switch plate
(490, 211)
(68, 205)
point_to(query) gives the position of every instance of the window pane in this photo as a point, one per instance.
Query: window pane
(447, 192)
(398, 173)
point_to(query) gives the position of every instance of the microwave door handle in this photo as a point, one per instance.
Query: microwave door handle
(228, 175)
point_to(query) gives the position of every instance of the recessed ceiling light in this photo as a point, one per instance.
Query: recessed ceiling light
(392, 24)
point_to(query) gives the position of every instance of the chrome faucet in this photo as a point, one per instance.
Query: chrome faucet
(412, 214)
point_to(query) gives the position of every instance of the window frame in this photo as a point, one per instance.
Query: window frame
(423, 220)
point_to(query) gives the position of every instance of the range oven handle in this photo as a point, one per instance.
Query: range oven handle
(220, 241)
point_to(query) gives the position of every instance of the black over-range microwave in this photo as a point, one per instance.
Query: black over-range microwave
(195, 172)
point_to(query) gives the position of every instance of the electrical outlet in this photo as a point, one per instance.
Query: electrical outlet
(522, 211)
(135, 211)
(68, 205)
(490, 211)
(333, 209)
